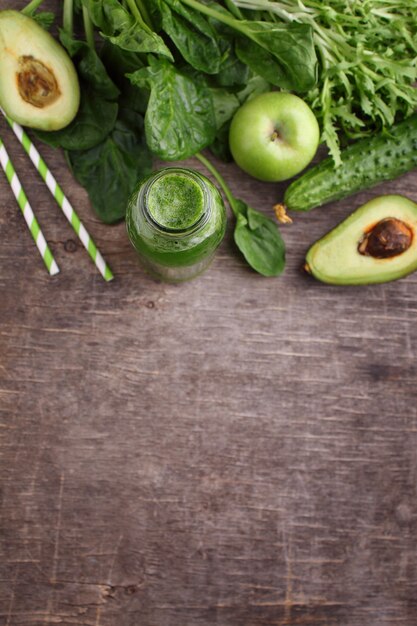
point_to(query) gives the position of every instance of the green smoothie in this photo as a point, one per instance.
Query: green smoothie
(175, 220)
(175, 201)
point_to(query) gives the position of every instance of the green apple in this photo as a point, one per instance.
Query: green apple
(274, 136)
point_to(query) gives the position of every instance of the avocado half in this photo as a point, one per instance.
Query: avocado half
(375, 244)
(38, 82)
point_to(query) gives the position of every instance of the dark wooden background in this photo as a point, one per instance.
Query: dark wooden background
(234, 451)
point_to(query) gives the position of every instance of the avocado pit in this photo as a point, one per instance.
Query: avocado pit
(36, 83)
(388, 238)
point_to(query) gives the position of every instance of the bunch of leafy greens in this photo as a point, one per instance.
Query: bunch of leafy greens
(367, 53)
(163, 78)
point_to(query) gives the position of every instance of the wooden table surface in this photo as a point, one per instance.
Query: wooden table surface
(233, 451)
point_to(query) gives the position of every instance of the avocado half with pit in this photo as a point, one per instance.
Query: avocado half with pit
(375, 244)
(38, 82)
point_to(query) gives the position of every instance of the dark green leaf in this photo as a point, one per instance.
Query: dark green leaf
(90, 67)
(283, 54)
(220, 146)
(259, 240)
(108, 15)
(111, 170)
(92, 70)
(254, 87)
(192, 35)
(232, 71)
(44, 19)
(72, 46)
(180, 118)
(95, 119)
(225, 105)
(137, 39)
(119, 62)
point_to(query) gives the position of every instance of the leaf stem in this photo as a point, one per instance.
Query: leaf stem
(234, 10)
(221, 17)
(137, 14)
(31, 7)
(225, 187)
(88, 28)
(68, 17)
(144, 13)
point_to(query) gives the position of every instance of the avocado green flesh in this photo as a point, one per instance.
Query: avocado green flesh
(335, 258)
(38, 83)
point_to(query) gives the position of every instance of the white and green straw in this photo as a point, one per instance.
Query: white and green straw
(27, 211)
(61, 199)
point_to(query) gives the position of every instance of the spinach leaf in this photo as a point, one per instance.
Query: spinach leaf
(254, 87)
(97, 112)
(225, 105)
(108, 15)
(259, 240)
(94, 120)
(290, 46)
(232, 71)
(256, 235)
(192, 35)
(119, 62)
(283, 54)
(138, 39)
(119, 27)
(110, 170)
(180, 118)
(220, 146)
(91, 69)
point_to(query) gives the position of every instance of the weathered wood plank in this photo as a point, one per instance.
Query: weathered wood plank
(232, 451)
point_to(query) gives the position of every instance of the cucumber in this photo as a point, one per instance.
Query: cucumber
(365, 163)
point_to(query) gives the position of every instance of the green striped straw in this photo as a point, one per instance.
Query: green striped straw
(27, 211)
(61, 199)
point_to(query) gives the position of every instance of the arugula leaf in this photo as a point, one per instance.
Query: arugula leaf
(180, 118)
(259, 240)
(367, 67)
(110, 170)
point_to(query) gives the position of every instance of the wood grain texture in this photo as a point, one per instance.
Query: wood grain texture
(235, 451)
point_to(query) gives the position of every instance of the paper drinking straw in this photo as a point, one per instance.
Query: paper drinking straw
(27, 211)
(61, 199)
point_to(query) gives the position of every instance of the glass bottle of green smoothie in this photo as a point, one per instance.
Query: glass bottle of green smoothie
(175, 220)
